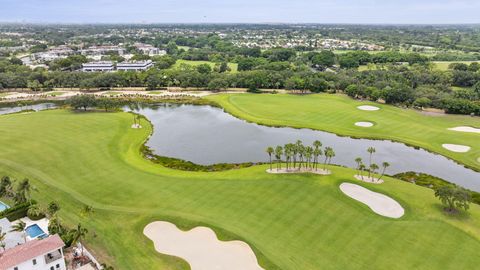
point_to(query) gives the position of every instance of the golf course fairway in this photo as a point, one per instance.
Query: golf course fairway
(291, 221)
(339, 113)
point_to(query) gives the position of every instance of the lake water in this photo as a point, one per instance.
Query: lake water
(35, 107)
(207, 135)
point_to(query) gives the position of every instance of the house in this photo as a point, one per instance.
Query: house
(135, 65)
(148, 49)
(105, 66)
(44, 254)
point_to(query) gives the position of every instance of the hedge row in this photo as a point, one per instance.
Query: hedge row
(16, 212)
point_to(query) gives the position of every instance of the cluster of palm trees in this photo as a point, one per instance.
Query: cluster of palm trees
(372, 168)
(297, 156)
(20, 193)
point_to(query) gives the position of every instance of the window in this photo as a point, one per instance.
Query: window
(34, 261)
(58, 265)
(15, 268)
(52, 268)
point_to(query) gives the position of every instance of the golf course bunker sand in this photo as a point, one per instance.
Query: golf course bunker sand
(368, 108)
(303, 170)
(136, 126)
(379, 203)
(466, 129)
(456, 148)
(201, 248)
(364, 124)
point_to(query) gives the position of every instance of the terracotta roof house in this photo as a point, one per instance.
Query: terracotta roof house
(38, 254)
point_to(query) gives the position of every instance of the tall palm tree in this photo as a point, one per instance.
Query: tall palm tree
(6, 187)
(317, 152)
(373, 168)
(385, 165)
(78, 234)
(22, 194)
(308, 155)
(278, 155)
(288, 153)
(269, 151)
(329, 154)
(296, 149)
(301, 154)
(370, 150)
(20, 227)
(362, 168)
(358, 160)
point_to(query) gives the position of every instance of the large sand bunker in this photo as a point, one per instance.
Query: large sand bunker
(466, 129)
(201, 248)
(368, 108)
(379, 203)
(456, 147)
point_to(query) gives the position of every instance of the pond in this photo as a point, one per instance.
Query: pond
(207, 135)
(35, 107)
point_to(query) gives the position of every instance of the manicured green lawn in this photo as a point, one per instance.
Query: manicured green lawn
(338, 114)
(443, 65)
(233, 66)
(54, 93)
(291, 221)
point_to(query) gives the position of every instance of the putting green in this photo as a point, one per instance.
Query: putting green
(338, 113)
(291, 221)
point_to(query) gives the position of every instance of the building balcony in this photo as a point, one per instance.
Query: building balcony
(53, 256)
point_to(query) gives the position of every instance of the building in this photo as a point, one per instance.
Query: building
(102, 50)
(148, 49)
(135, 65)
(105, 66)
(44, 254)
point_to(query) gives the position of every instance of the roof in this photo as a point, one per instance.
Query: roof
(30, 250)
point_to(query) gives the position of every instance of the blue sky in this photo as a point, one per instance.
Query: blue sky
(241, 11)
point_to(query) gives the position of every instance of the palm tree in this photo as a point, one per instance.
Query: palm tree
(329, 154)
(296, 149)
(78, 234)
(317, 152)
(278, 155)
(308, 155)
(34, 211)
(288, 154)
(361, 168)
(6, 187)
(373, 169)
(134, 106)
(23, 191)
(358, 160)
(20, 227)
(269, 151)
(385, 165)
(370, 150)
(301, 154)
(2, 239)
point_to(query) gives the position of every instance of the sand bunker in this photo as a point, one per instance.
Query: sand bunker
(201, 248)
(364, 124)
(303, 170)
(136, 126)
(368, 108)
(466, 129)
(367, 179)
(456, 148)
(379, 203)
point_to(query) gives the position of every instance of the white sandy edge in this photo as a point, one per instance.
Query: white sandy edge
(303, 170)
(466, 129)
(367, 179)
(456, 147)
(379, 203)
(364, 124)
(368, 108)
(201, 248)
(136, 126)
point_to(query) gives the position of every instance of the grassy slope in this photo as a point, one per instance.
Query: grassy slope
(233, 66)
(292, 221)
(338, 113)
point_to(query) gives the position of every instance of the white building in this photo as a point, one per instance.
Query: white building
(148, 49)
(44, 254)
(105, 66)
(102, 50)
(135, 65)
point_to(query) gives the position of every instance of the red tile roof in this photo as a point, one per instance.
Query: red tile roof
(30, 250)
